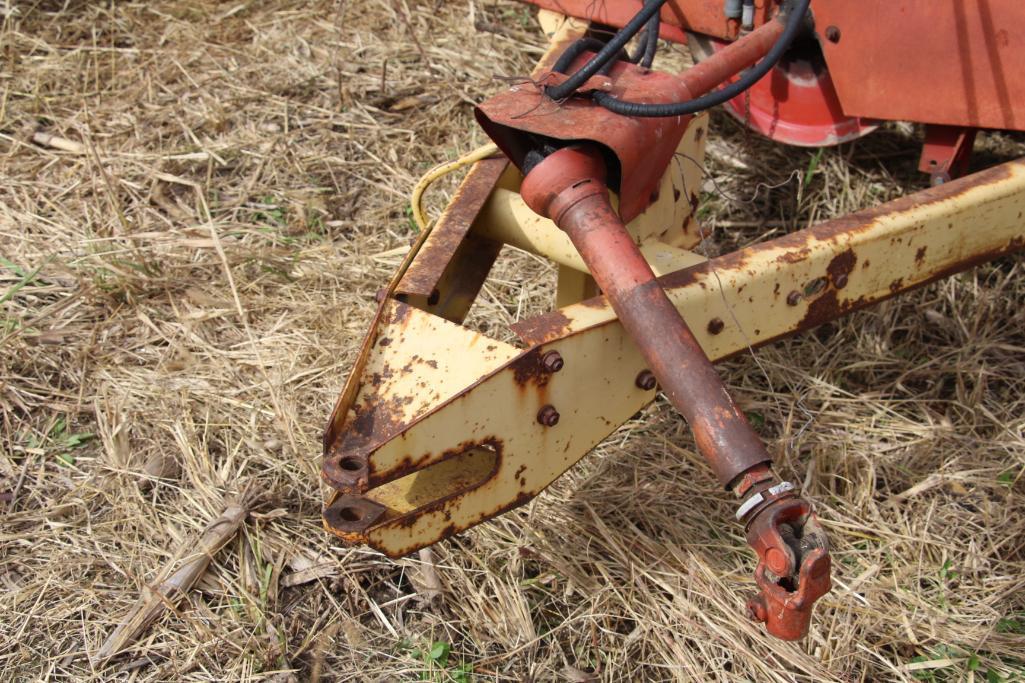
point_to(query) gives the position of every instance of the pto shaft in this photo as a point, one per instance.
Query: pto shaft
(569, 187)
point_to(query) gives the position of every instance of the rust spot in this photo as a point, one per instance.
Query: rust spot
(822, 309)
(541, 328)
(920, 255)
(400, 314)
(828, 307)
(351, 515)
(841, 266)
(795, 256)
(529, 369)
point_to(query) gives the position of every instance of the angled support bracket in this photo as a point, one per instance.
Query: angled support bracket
(447, 429)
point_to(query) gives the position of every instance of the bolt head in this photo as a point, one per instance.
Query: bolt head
(833, 34)
(777, 561)
(716, 325)
(793, 298)
(548, 416)
(552, 361)
(841, 281)
(646, 380)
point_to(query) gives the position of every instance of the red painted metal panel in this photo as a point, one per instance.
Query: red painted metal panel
(954, 62)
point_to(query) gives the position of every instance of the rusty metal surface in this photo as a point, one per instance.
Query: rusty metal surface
(812, 262)
(874, 254)
(569, 188)
(417, 361)
(793, 565)
(642, 148)
(722, 65)
(678, 16)
(663, 230)
(946, 152)
(432, 266)
(956, 63)
(426, 271)
(440, 441)
(593, 393)
(438, 253)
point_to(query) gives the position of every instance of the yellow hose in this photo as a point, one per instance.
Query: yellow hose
(439, 171)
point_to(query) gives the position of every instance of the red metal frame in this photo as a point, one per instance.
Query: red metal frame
(957, 63)
(946, 152)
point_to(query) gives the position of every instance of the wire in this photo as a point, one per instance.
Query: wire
(713, 99)
(606, 54)
(439, 171)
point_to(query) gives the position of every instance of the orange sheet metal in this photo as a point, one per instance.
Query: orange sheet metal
(957, 62)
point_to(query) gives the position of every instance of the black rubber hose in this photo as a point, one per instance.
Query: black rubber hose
(651, 40)
(575, 50)
(580, 46)
(795, 22)
(606, 54)
(648, 42)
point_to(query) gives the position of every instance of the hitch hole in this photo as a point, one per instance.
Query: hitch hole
(351, 464)
(787, 584)
(351, 514)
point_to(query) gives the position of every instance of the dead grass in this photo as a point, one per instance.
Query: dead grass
(182, 299)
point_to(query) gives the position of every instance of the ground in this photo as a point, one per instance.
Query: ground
(185, 282)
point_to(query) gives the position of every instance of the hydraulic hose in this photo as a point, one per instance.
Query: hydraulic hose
(607, 53)
(579, 47)
(795, 21)
(647, 56)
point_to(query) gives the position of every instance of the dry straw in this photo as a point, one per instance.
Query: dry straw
(198, 202)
